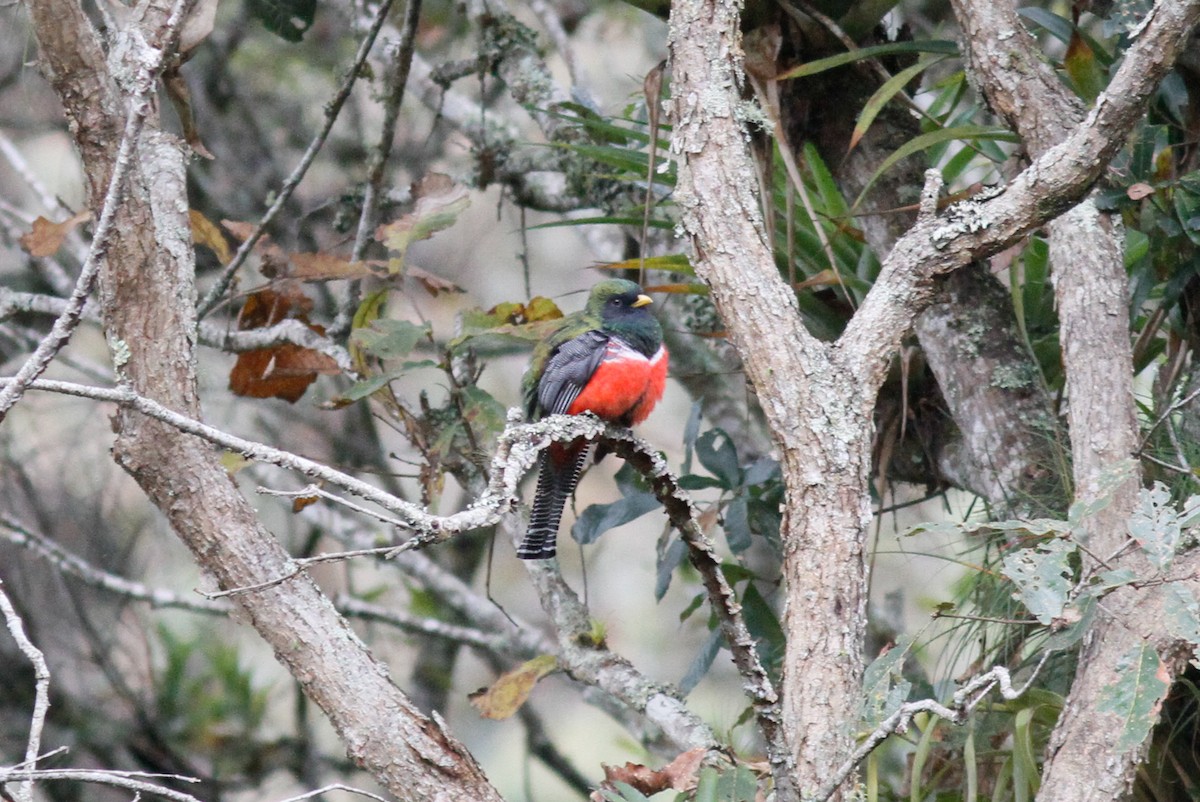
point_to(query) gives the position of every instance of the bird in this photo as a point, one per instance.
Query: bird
(607, 359)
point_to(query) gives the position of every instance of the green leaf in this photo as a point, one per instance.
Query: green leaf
(702, 662)
(718, 455)
(706, 786)
(437, 203)
(1025, 769)
(1154, 524)
(599, 518)
(737, 785)
(1136, 696)
(624, 793)
(926, 141)
(764, 625)
(668, 561)
(1058, 27)
(390, 339)
(362, 389)
(884, 685)
(941, 46)
(287, 19)
(692, 607)
(482, 411)
(883, 95)
(692, 481)
(1080, 63)
(1042, 577)
(736, 522)
(1182, 612)
(761, 471)
(1084, 613)
(614, 220)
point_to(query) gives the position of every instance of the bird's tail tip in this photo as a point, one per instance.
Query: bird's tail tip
(537, 545)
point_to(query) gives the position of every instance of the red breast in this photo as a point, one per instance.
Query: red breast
(625, 386)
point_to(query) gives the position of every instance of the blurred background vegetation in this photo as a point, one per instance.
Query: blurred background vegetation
(524, 146)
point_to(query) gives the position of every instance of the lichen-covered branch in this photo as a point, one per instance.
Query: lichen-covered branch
(818, 398)
(1091, 295)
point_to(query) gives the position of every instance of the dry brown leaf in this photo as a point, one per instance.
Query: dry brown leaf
(282, 371)
(241, 231)
(300, 502)
(432, 284)
(46, 238)
(678, 775)
(509, 692)
(273, 261)
(322, 266)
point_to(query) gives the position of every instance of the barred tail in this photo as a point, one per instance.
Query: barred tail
(558, 474)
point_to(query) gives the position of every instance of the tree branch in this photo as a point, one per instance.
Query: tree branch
(213, 335)
(516, 452)
(117, 779)
(1092, 300)
(332, 110)
(965, 699)
(149, 67)
(41, 703)
(818, 398)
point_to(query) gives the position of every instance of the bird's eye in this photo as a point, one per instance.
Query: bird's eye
(615, 302)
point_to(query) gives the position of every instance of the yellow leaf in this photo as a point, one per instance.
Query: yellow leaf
(507, 694)
(233, 462)
(206, 233)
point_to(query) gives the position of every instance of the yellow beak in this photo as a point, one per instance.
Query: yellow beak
(642, 300)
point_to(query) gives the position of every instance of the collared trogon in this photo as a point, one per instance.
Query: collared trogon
(609, 360)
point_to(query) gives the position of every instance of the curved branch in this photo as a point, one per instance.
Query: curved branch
(516, 452)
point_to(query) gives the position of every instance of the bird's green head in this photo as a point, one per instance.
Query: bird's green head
(623, 308)
(618, 299)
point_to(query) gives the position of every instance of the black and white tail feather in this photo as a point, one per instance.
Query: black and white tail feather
(554, 487)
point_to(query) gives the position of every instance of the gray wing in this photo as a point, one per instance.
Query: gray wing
(568, 370)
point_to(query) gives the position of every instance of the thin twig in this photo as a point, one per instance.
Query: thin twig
(299, 565)
(118, 779)
(965, 700)
(1180, 469)
(41, 699)
(1171, 410)
(311, 491)
(139, 107)
(492, 642)
(394, 86)
(17, 162)
(335, 787)
(17, 533)
(332, 109)
(547, 14)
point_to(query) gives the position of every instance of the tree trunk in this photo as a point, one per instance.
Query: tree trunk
(147, 297)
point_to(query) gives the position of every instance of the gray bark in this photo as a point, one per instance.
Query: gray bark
(1092, 298)
(147, 298)
(817, 397)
